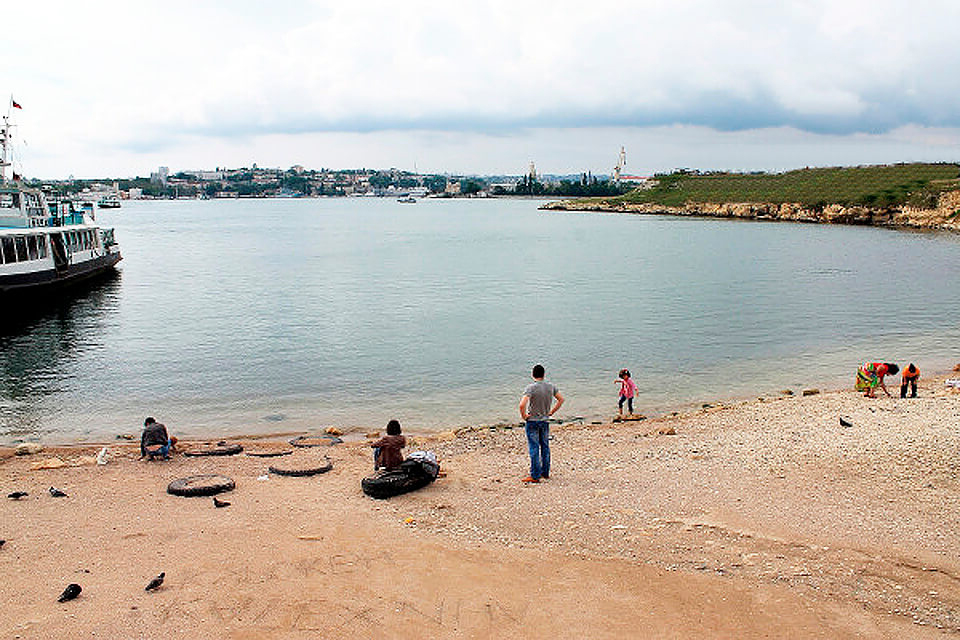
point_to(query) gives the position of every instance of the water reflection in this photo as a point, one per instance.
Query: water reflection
(40, 346)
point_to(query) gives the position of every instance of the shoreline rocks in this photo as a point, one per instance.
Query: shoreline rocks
(946, 216)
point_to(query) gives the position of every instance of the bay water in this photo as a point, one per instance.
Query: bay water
(286, 315)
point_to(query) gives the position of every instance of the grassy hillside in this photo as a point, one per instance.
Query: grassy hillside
(914, 184)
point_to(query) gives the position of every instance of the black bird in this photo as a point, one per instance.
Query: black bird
(16, 495)
(845, 422)
(71, 592)
(220, 503)
(155, 583)
(56, 493)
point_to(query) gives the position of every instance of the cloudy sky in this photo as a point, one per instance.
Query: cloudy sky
(120, 88)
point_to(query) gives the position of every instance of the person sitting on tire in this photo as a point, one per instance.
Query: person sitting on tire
(388, 450)
(154, 441)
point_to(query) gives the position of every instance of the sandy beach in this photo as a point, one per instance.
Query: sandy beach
(761, 519)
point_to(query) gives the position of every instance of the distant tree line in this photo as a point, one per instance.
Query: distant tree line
(588, 186)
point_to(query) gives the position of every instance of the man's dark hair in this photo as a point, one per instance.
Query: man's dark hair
(538, 371)
(148, 422)
(892, 368)
(393, 428)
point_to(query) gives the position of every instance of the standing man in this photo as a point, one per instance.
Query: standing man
(535, 410)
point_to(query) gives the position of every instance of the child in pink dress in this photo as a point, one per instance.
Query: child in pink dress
(628, 389)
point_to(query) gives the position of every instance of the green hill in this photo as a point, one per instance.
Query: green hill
(886, 185)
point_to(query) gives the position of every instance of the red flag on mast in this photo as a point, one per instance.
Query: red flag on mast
(15, 105)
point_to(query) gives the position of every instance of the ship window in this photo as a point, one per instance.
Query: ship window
(21, 248)
(9, 252)
(89, 240)
(42, 247)
(32, 247)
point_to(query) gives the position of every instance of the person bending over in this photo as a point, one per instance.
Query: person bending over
(909, 379)
(870, 376)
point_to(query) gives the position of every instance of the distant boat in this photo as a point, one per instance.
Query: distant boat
(407, 200)
(109, 201)
(47, 243)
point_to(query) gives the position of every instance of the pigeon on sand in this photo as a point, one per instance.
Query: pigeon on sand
(155, 583)
(71, 592)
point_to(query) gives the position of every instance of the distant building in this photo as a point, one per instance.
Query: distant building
(453, 187)
(206, 175)
(160, 176)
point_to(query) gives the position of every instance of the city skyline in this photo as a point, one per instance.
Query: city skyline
(116, 90)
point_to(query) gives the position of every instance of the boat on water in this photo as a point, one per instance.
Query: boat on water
(407, 200)
(109, 201)
(47, 243)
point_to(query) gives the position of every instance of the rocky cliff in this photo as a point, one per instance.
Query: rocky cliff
(945, 216)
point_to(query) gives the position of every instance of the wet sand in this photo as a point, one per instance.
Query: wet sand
(764, 519)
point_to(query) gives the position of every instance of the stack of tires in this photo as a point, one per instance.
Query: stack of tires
(417, 471)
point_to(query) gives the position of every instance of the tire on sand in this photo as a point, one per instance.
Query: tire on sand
(412, 475)
(306, 442)
(201, 485)
(268, 454)
(299, 471)
(218, 450)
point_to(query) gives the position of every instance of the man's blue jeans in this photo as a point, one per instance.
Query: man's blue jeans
(163, 451)
(538, 441)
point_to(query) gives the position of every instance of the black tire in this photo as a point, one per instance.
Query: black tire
(387, 484)
(269, 454)
(219, 450)
(202, 485)
(299, 472)
(305, 442)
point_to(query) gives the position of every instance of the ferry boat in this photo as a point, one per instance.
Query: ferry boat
(46, 243)
(109, 201)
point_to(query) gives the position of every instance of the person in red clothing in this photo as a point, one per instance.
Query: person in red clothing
(870, 376)
(388, 450)
(909, 379)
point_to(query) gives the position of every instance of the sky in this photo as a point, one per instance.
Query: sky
(117, 89)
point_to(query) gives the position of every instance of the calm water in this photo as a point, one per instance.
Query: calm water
(277, 315)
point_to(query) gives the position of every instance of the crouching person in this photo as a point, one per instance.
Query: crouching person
(154, 441)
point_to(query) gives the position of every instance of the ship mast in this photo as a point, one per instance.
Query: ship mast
(4, 140)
